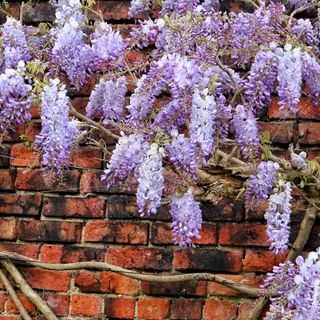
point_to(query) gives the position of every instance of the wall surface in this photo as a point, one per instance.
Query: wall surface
(79, 219)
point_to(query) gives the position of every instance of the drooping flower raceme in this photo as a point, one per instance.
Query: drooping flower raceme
(278, 219)
(14, 101)
(138, 7)
(289, 77)
(260, 185)
(299, 161)
(14, 43)
(187, 219)
(107, 100)
(58, 134)
(150, 181)
(246, 131)
(65, 9)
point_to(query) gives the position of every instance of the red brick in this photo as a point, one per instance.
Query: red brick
(186, 309)
(190, 288)
(51, 253)
(54, 231)
(213, 260)
(144, 258)
(309, 133)
(221, 290)
(113, 10)
(243, 235)
(22, 156)
(279, 132)
(153, 308)
(20, 204)
(8, 229)
(88, 157)
(85, 305)
(74, 207)
(2, 301)
(72, 254)
(4, 157)
(80, 104)
(29, 250)
(245, 309)
(115, 232)
(274, 111)
(219, 309)
(47, 279)
(59, 303)
(261, 261)
(112, 282)
(30, 308)
(88, 281)
(39, 181)
(8, 317)
(33, 129)
(7, 179)
(119, 308)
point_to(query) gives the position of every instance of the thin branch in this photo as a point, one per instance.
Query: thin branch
(24, 314)
(252, 3)
(27, 290)
(252, 292)
(80, 116)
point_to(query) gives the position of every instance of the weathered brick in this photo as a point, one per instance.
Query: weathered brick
(73, 207)
(29, 250)
(80, 104)
(243, 235)
(219, 309)
(20, 204)
(8, 317)
(309, 133)
(245, 279)
(114, 10)
(88, 157)
(245, 309)
(112, 282)
(7, 179)
(224, 210)
(38, 12)
(161, 233)
(22, 156)
(86, 305)
(116, 232)
(51, 253)
(59, 303)
(153, 308)
(39, 181)
(72, 254)
(119, 308)
(142, 258)
(4, 157)
(8, 229)
(88, 281)
(279, 132)
(186, 309)
(32, 130)
(47, 279)
(51, 231)
(261, 261)
(2, 301)
(190, 288)
(314, 238)
(30, 308)
(213, 260)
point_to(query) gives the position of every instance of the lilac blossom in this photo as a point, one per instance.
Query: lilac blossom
(246, 131)
(187, 219)
(260, 185)
(58, 134)
(126, 159)
(14, 43)
(14, 100)
(261, 80)
(150, 181)
(289, 77)
(278, 219)
(107, 100)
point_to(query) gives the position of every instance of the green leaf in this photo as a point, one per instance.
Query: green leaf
(159, 3)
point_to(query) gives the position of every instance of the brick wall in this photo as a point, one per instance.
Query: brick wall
(79, 219)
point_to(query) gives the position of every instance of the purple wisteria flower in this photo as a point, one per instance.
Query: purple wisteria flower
(299, 161)
(65, 9)
(209, 4)
(138, 7)
(246, 131)
(187, 219)
(126, 159)
(260, 185)
(179, 6)
(107, 100)
(58, 134)
(278, 219)
(14, 43)
(14, 99)
(304, 31)
(150, 181)
(289, 77)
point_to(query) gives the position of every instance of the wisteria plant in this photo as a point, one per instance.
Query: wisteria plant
(191, 103)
